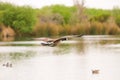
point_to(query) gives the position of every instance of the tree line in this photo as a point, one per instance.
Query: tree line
(56, 20)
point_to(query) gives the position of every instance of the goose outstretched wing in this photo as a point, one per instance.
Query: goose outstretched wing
(54, 42)
(60, 39)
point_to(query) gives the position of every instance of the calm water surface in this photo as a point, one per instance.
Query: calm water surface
(70, 60)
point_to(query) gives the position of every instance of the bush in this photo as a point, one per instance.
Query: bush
(116, 14)
(98, 14)
(64, 11)
(21, 19)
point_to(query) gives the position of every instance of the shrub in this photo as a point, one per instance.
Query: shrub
(21, 19)
(116, 14)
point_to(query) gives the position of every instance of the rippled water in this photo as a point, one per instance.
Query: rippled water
(74, 59)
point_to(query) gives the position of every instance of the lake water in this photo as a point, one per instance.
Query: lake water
(74, 59)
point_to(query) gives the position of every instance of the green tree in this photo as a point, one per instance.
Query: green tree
(21, 19)
(61, 10)
(5, 6)
(98, 14)
(66, 12)
(116, 14)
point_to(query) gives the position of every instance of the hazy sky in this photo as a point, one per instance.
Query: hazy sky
(104, 4)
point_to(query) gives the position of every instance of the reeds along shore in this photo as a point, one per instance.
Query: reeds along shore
(93, 28)
(88, 21)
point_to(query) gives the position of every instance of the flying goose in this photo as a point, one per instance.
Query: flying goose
(54, 42)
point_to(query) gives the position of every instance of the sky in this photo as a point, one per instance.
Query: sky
(102, 4)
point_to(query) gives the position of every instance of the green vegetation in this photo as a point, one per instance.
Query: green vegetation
(116, 13)
(21, 19)
(98, 14)
(58, 20)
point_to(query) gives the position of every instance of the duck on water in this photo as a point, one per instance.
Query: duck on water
(55, 42)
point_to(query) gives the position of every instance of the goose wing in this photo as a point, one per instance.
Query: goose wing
(66, 38)
(59, 39)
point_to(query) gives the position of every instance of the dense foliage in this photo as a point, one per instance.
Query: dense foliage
(59, 20)
(98, 14)
(21, 19)
(65, 12)
(116, 13)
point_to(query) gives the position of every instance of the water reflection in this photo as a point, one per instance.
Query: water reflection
(71, 60)
(16, 56)
(6, 39)
(80, 47)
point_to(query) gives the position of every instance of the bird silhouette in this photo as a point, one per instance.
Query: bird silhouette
(54, 42)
